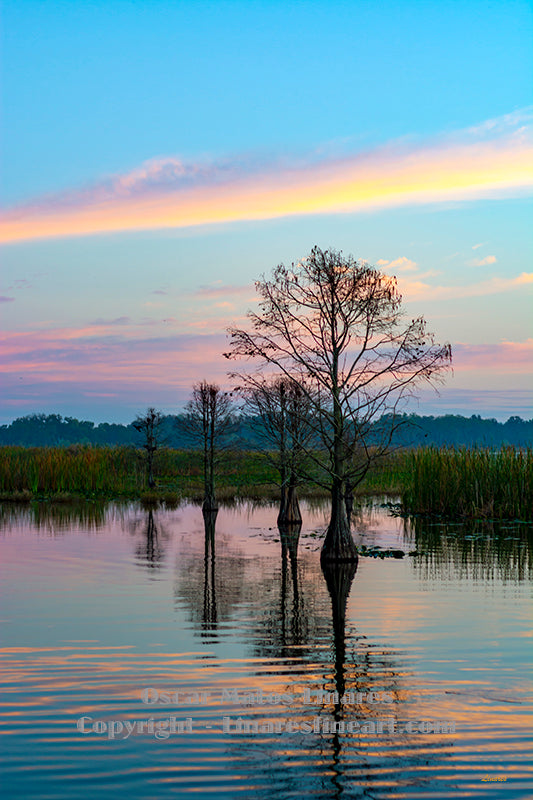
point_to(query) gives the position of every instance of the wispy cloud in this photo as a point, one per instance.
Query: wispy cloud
(505, 357)
(42, 368)
(80, 354)
(414, 285)
(491, 160)
(401, 264)
(117, 351)
(4, 299)
(489, 402)
(416, 289)
(482, 262)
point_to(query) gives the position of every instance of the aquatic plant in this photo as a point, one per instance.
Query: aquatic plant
(476, 482)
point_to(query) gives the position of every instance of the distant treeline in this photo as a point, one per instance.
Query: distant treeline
(53, 430)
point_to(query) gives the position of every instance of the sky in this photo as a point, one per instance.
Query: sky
(157, 158)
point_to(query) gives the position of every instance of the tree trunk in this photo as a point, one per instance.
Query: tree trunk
(338, 544)
(151, 481)
(289, 510)
(210, 503)
(348, 501)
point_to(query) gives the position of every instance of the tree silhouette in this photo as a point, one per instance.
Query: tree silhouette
(208, 417)
(283, 408)
(149, 426)
(335, 327)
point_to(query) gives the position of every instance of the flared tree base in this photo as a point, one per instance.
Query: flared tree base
(210, 504)
(344, 555)
(339, 545)
(289, 510)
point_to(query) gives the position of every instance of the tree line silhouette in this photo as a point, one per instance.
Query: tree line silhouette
(245, 432)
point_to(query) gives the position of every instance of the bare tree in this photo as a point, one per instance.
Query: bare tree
(336, 327)
(149, 426)
(208, 417)
(283, 408)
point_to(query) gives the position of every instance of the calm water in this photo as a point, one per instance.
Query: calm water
(112, 617)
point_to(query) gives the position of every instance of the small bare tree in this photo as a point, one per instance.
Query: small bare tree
(149, 426)
(336, 325)
(284, 408)
(208, 417)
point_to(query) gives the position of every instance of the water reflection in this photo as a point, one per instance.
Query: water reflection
(478, 550)
(150, 534)
(234, 605)
(209, 616)
(339, 579)
(55, 518)
(211, 587)
(292, 615)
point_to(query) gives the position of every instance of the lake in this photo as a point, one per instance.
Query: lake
(146, 655)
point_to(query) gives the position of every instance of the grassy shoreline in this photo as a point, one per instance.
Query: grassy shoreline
(444, 482)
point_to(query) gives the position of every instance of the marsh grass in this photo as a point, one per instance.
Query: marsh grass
(455, 483)
(76, 470)
(470, 483)
(108, 472)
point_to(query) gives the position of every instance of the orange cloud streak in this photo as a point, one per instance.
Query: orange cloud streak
(147, 199)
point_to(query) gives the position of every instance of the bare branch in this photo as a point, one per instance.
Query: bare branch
(334, 327)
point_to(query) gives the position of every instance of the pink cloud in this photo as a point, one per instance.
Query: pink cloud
(105, 360)
(493, 160)
(77, 354)
(503, 358)
(102, 323)
(117, 363)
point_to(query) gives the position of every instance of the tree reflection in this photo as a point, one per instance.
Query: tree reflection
(292, 615)
(211, 587)
(339, 579)
(294, 632)
(209, 617)
(476, 550)
(150, 550)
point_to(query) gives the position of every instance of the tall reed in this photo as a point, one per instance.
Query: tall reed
(476, 482)
(78, 469)
(120, 471)
(450, 482)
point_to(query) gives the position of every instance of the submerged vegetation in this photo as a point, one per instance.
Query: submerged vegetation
(451, 483)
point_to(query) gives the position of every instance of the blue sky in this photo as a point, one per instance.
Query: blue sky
(158, 157)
